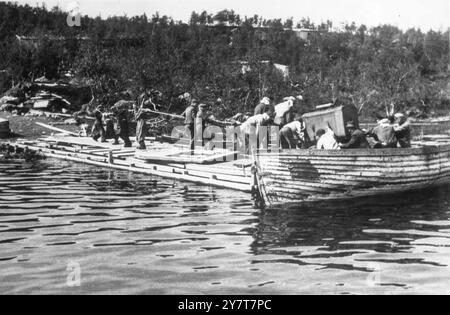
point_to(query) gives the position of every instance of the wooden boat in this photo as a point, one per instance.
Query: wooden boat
(292, 176)
(311, 175)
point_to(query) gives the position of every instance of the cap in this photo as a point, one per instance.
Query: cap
(265, 101)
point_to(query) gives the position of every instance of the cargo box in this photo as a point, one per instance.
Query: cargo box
(336, 118)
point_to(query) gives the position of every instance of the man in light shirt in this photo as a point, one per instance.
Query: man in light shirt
(293, 134)
(283, 111)
(255, 122)
(326, 140)
(253, 127)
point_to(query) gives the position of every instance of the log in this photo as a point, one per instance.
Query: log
(57, 129)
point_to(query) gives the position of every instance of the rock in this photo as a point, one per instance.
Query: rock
(9, 100)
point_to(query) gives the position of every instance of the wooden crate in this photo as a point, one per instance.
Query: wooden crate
(335, 118)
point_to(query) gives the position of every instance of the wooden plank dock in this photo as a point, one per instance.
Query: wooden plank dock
(234, 175)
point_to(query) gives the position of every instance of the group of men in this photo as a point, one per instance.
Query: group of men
(292, 128)
(197, 117)
(392, 132)
(115, 123)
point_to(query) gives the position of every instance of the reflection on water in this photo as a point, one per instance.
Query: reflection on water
(139, 234)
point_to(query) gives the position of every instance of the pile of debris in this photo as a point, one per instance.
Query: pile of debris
(45, 95)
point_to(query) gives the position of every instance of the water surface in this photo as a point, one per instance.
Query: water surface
(136, 234)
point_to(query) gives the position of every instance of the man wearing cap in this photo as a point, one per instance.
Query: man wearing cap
(120, 111)
(283, 111)
(403, 130)
(98, 130)
(200, 121)
(189, 122)
(142, 111)
(110, 130)
(263, 106)
(358, 138)
(293, 134)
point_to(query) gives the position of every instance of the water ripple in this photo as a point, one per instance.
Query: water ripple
(141, 234)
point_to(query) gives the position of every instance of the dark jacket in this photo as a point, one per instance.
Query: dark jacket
(260, 109)
(190, 115)
(403, 134)
(357, 141)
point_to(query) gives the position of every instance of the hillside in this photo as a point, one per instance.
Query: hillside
(368, 67)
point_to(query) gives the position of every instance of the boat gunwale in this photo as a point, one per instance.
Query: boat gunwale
(425, 150)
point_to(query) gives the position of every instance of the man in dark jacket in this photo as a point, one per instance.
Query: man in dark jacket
(403, 130)
(358, 138)
(120, 110)
(98, 131)
(263, 106)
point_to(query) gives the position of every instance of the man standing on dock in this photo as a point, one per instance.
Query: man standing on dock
(190, 115)
(144, 103)
(98, 130)
(200, 123)
(120, 110)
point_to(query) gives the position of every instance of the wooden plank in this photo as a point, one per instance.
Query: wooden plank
(56, 129)
(124, 154)
(94, 151)
(194, 159)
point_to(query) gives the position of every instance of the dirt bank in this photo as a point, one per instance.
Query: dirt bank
(26, 127)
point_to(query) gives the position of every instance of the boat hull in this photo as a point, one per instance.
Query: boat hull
(312, 175)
